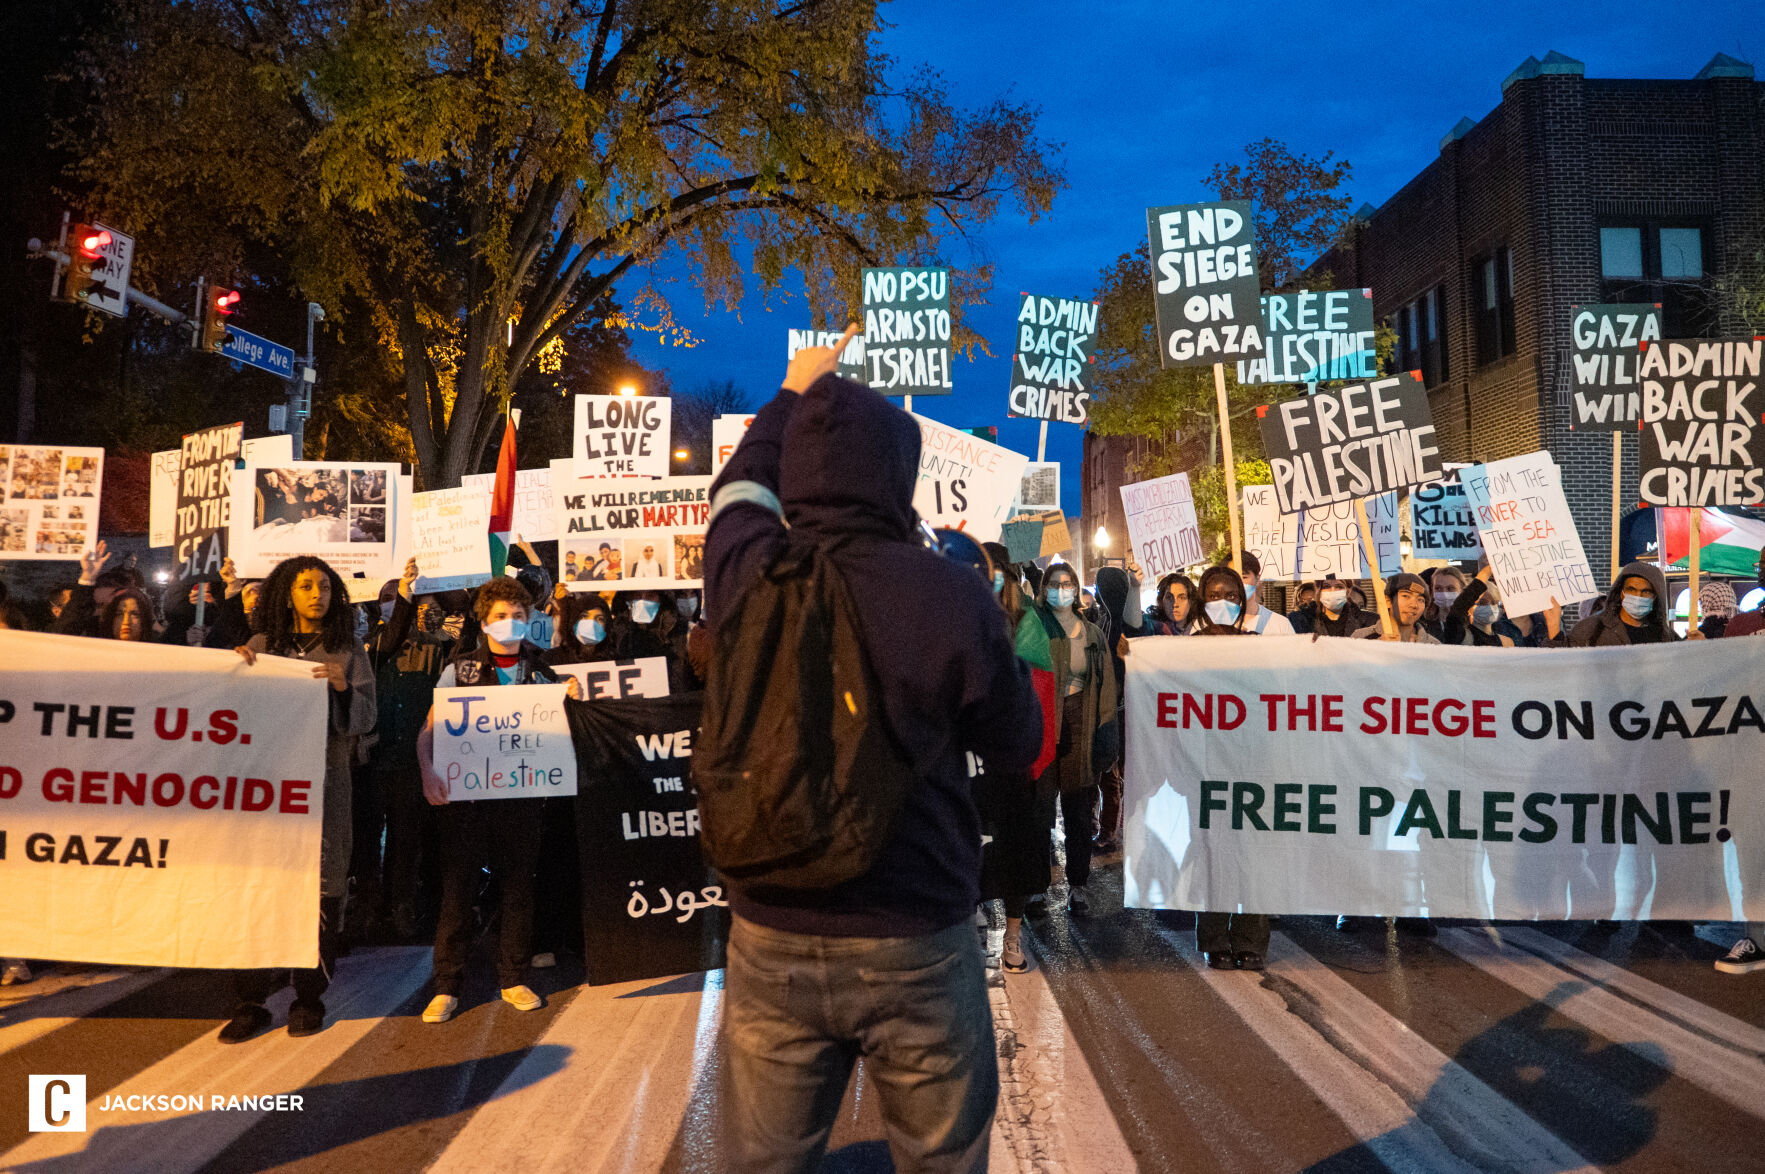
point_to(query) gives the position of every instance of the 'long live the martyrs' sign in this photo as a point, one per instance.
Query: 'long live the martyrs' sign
(1366, 777)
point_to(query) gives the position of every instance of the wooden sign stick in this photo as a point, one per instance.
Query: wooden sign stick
(1042, 443)
(1219, 387)
(1692, 603)
(1617, 484)
(1387, 622)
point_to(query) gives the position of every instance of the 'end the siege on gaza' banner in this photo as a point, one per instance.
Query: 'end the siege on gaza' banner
(1433, 781)
(159, 806)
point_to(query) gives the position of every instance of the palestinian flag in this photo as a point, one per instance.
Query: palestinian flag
(1034, 650)
(502, 501)
(1728, 544)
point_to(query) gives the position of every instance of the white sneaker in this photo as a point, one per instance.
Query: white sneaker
(1011, 957)
(440, 1009)
(522, 998)
(1744, 958)
(545, 961)
(15, 972)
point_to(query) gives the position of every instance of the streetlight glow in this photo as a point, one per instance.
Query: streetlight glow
(627, 389)
(1101, 539)
(681, 454)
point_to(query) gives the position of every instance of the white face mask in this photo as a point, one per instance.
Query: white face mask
(644, 610)
(1223, 612)
(507, 632)
(687, 605)
(1334, 600)
(590, 631)
(1062, 596)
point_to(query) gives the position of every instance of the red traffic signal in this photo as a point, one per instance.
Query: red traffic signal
(216, 308)
(88, 251)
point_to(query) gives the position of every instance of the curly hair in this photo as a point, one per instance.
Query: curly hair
(274, 614)
(501, 589)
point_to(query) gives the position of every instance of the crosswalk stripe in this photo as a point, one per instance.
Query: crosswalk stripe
(1715, 1067)
(1699, 1017)
(366, 988)
(84, 994)
(1374, 1073)
(636, 1062)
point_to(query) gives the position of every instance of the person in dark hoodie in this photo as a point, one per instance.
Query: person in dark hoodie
(1332, 613)
(885, 965)
(1635, 612)
(1118, 599)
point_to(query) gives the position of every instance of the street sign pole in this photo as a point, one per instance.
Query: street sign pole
(300, 385)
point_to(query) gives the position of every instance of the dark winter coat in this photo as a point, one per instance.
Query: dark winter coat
(1607, 628)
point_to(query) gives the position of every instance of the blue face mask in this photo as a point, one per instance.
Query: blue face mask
(1639, 606)
(1485, 614)
(644, 610)
(507, 632)
(998, 582)
(590, 631)
(1223, 612)
(687, 605)
(1062, 596)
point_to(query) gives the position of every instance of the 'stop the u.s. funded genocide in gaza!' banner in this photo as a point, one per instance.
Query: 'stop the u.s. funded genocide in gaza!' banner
(1354, 441)
(1204, 282)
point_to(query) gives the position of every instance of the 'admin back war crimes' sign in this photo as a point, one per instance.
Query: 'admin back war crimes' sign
(1054, 339)
(907, 331)
(1315, 336)
(1355, 441)
(1608, 342)
(1703, 439)
(1205, 283)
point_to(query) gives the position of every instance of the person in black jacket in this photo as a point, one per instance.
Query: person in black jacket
(1332, 613)
(886, 965)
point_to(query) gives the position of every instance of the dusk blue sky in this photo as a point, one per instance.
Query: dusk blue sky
(1146, 97)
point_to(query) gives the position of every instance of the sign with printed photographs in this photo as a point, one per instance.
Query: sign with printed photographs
(49, 501)
(342, 513)
(630, 533)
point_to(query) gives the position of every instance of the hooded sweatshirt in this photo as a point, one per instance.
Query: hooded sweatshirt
(840, 462)
(1607, 627)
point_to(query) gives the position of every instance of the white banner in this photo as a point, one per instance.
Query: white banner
(345, 514)
(622, 435)
(1325, 540)
(449, 539)
(619, 680)
(506, 742)
(1528, 532)
(534, 519)
(1162, 527)
(965, 483)
(1428, 780)
(631, 534)
(159, 806)
(49, 501)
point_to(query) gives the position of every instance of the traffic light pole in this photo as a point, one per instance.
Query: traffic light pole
(300, 387)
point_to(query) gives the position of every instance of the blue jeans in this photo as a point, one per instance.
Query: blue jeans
(798, 1012)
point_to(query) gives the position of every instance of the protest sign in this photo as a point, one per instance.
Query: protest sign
(651, 906)
(1040, 487)
(851, 364)
(1608, 342)
(1162, 527)
(345, 514)
(907, 331)
(965, 483)
(533, 519)
(162, 498)
(1322, 541)
(503, 742)
(622, 435)
(1028, 537)
(49, 501)
(1442, 523)
(1054, 338)
(1205, 287)
(726, 433)
(631, 534)
(1355, 441)
(205, 494)
(1537, 783)
(449, 538)
(1703, 442)
(159, 805)
(1528, 532)
(619, 680)
(1314, 336)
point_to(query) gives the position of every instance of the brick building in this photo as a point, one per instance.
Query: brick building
(1572, 190)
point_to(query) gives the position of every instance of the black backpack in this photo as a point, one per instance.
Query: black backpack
(799, 779)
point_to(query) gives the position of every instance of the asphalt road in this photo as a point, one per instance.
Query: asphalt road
(1533, 1049)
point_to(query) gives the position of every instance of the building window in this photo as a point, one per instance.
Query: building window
(1421, 337)
(1495, 306)
(1655, 261)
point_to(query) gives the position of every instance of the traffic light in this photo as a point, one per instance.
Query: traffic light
(86, 252)
(217, 307)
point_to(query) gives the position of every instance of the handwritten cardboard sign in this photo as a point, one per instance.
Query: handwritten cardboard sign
(726, 433)
(965, 483)
(1442, 522)
(1703, 433)
(1204, 282)
(1315, 336)
(1162, 525)
(619, 680)
(1354, 441)
(907, 331)
(622, 435)
(1528, 532)
(1323, 541)
(1049, 369)
(450, 539)
(1608, 342)
(205, 492)
(533, 519)
(504, 742)
(851, 364)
